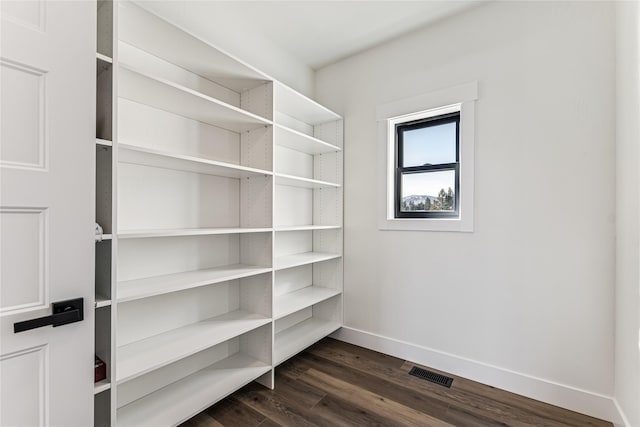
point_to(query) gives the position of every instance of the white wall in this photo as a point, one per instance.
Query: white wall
(217, 23)
(627, 373)
(526, 301)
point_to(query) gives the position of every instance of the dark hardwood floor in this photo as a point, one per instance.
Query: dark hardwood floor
(337, 384)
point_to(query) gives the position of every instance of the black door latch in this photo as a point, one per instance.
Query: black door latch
(64, 312)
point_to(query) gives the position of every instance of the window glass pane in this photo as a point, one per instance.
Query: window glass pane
(428, 191)
(430, 145)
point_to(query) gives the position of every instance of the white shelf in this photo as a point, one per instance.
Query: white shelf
(101, 386)
(138, 234)
(143, 356)
(287, 304)
(300, 107)
(103, 64)
(103, 58)
(103, 237)
(179, 401)
(296, 181)
(300, 336)
(101, 301)
(306, 228)
(130, 290)
(295, 260)
(165, 95)
(178, 46)
(103, 142)
(299, 141)
(163, 159)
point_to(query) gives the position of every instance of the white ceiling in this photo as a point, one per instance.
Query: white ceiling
(318, 33)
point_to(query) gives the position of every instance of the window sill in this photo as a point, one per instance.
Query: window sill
(426, 224)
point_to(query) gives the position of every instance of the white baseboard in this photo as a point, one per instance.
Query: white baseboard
(622, 418)
(572, 398)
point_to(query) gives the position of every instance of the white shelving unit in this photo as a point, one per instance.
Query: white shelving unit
(308, 240)
(220, 196)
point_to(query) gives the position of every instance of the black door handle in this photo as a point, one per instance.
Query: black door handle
(64, 312)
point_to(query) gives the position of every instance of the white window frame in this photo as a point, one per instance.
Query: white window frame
(458, 98)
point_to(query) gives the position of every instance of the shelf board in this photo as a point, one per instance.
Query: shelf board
(103, 63)
(101, 386)
(295, 260)
(299, 141)
(163, 159)
(178, 46)
(101, 301)
(130, 290)
(289, 303)
(140, 357)
(165, 95)
(103, 237)
(296, 181)
(138, 234)
(182, 399)
(300, 107)
(300, 336)
(104, 142)
(306, 227)
(104, 58)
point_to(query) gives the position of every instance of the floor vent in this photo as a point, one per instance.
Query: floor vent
(431, 376)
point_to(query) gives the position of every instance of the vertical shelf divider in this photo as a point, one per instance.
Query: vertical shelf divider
(114, 214)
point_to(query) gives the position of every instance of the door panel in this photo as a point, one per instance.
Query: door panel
(24, 377)
(22, 259)
(29, 14)
(23, 122)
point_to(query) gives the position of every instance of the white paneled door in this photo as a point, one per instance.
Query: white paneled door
(47, 174)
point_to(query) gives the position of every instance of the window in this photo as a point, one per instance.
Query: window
(427, 178)
(426, 161)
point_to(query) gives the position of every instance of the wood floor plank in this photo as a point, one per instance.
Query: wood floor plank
(201, 420)
(461, 417)
(273, 407)
(359, 352)
(292, 368)
(343, 413)
(291, 389)
(374, 402)
(269, 423)
(232, 412)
